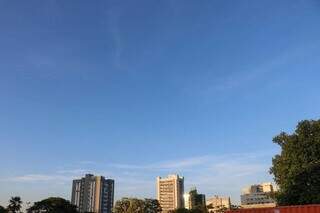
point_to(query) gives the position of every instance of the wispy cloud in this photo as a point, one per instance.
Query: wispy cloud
(37, 178)
(212, 174)
(113, 28)
(216, 174)
(271, 66)
(191, 162)
(88, 162)
(175, 164)
(73, 171)
(242, 78)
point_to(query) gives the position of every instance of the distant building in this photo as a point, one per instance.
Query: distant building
(258, 195)
(215, 203)
(186, 198)
(170, 192)
(93, 194)
(194, 200)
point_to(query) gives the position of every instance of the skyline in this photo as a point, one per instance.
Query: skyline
(226, 171)
(135, 90)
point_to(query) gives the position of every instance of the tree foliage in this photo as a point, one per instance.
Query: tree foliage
(15, 205)
(296, 169)
(134, 205)
(53, 205)
(198, 209)
(129, 205)
(235, 207)
(180, 210)
(152, 206)
(217, 209)
(3, 210)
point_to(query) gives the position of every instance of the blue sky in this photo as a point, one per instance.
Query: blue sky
(136, 89)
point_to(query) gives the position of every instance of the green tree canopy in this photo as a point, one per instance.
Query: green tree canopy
(129, 205)
(15, 205)
(134, 205)
(3, 210)
(53, 205)
(199, 209)
(218, 209)
(296, 169)
(235, 207)
(180, 210)
(152, 206)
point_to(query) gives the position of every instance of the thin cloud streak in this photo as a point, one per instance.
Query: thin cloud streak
(222, 174)
(37, 177)
(112, 26)
(177, 164)
(185, 163)
(242, 78)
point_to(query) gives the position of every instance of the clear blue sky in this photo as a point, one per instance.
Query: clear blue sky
(136, 89)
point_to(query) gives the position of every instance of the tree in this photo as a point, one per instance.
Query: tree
(2, 210)
(152, 206)
(14, 205)
(221, 209)
(235, 207)
(134, 205)
(217, 209)
(296, 169)
(53, 205)
(197, 209)
(180, 210)
(129, 205)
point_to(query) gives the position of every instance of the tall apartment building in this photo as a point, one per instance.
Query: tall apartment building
(215, 203)
(93, 194)
(170, 192)
(194, 200)
(258, 195)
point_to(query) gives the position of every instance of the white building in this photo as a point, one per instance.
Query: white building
(258, 195)
(170, 192)
(187, 203)
(215, 203)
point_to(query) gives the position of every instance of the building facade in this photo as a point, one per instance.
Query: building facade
(258, 195)
(93, 194)
(170, 192)
(216, 203)
(194, 200)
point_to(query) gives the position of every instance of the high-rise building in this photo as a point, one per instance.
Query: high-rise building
(93, 194)
(170, 192)
(194, 200)
(258, 195)
(216, 203)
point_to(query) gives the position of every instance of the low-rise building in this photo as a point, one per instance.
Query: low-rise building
(216, 203)
(258, 195)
